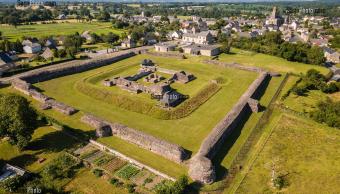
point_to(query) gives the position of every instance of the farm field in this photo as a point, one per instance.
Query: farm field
(269, 62)
(40, 30)
(304, 152)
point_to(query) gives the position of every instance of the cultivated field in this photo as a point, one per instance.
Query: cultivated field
(40, 30)
(304, 152)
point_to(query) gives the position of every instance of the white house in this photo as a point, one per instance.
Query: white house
(33, 48)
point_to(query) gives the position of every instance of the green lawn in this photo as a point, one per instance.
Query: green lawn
(40, 30)
(305, 152)
(46, 143)
(189, 131)
(269, 62)
(87, 183)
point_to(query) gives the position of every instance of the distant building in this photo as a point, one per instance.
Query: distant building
(331, 55)
(274, 18)
(198, 38)
(33, 48)
(9, 171)
(164, 47)
(128, 43)
(205, 50)
(47, 54)
(6, 63)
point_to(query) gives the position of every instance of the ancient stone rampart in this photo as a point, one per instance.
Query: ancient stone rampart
(168, 150)
(235, 65)
(214, 140)
(168, 55)
(29, 90)
(72, 68)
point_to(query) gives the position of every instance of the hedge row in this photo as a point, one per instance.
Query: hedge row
(140, 106)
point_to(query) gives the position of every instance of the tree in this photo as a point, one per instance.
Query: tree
(110, 38)
(17, 119)
(315, 55)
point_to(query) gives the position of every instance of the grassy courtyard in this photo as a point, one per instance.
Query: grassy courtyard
(189, 131)
(40, 30)
(304, 152)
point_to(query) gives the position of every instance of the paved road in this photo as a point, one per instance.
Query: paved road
(70, 63)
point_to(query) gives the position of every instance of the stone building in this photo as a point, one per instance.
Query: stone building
(205, 50)
(198, 38)
(164, 47)
(128, 43)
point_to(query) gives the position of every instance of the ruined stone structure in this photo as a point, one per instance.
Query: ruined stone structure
(254, 105)
(153, 78)
(102, 128)
(48, 102)
(183, 77)
(168, 150)
(200, 169)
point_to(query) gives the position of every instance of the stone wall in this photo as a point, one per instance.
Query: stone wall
(168, 55)
(212, 143)
(235, 65)
(168, 150)
(29, 90)
(72, 68)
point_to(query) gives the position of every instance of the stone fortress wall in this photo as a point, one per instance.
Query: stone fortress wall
(201, 168)
(48, 102)
(104, 128)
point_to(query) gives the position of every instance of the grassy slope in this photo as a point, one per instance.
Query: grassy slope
(271, 63)
(46, 142)
(192, 129)
(39, 30)
(306, 150)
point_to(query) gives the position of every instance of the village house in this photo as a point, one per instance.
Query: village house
(175, 35)
(47, 54)
(31, 46)
(198, 38)
(9, 171)
(331, 55)
(205, 50)
(87, 36)
(6, 63)
(128, 43)
(319, 42)
(164, 47)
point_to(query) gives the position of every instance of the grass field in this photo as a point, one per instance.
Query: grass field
(46, 143)
(269, 62)
(193, 128)
(305, 152)
(87, 183)
(40, 30)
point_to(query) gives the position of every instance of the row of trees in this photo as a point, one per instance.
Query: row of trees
(271, 43)
(327, 112)
(14, 17)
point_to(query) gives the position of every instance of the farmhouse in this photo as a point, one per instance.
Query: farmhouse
(205, 50)
(164, 47)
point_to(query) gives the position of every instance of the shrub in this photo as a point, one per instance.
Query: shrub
(61, 167)
(178, 187)
(98, 172)
(280, 182)
(114, 181)
(327, 112)
(148, 180)
(131, 188)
